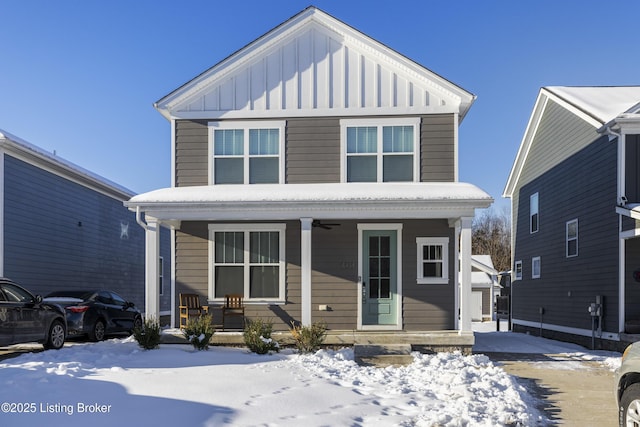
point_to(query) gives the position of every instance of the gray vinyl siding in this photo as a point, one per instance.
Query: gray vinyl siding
(570, 190)
(312, 150)
(334, 276)
(632, 169)
(191, 153)
(62, 235)
(437, 148)
(632, 287)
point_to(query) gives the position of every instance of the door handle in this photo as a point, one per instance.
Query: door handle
(364, 289)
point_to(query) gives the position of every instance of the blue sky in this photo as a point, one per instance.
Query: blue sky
(80, 77)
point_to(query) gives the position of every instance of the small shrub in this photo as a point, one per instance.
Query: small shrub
(199, 331)
(257, 336)
(148, 336)
(308, 339)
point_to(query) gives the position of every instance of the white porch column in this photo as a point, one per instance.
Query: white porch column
(465, 273)
(152, 255)
(305, 270)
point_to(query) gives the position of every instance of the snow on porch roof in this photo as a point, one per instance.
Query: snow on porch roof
(332, 192)
(298, 200)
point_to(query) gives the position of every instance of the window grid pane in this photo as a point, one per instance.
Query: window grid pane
(397, 139)
(228, 142)
(362, 169)
(362, 139)
(264, 142)
(265, 247)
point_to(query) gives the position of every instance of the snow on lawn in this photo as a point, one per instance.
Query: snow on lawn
(116, 383)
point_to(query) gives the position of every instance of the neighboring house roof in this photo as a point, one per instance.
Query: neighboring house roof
(597, 105)
(331, 200)
(483, 273)
(314, 64)
(50, 162)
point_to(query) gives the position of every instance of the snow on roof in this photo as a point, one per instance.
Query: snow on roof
(604, 103)
(21, 144)
(331, 192)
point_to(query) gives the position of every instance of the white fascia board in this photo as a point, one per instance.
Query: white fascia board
(289, 211)
(316, 112)
(525, 144)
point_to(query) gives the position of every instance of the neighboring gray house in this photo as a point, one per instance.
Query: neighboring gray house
(484, 287)
(315, 171)
(574, 193)
(64, 227)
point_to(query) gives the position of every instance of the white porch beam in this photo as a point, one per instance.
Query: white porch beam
(305, 270)
(152, 256)
(465, 274)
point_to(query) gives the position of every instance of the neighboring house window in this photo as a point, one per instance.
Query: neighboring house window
(572, 238)
(433, 259)
(247, 260)
(533, 213)
(161, 275)
(247, 152)
(535, 267)
(380, 150)
(518, 270)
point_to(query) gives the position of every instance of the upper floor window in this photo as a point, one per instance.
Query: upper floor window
(533, 213)
(572, 238)
(380, 150)
(247, 152)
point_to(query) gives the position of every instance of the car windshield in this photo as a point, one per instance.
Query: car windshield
(16, 294)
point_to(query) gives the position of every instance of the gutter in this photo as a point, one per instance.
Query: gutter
(139, 220)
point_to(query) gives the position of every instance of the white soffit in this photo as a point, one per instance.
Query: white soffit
(314, 64)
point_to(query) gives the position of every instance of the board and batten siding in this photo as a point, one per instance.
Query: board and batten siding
(312, 150)
(581, 187)
(61, 235)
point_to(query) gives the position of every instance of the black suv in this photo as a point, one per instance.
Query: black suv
(25, 318)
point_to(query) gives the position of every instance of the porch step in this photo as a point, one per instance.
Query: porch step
(382, 355)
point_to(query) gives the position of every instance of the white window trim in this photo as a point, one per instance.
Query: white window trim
(533, 269)
(433, 241)
(568, 239)
(531, 212)
(517, 275)
(245, 126)
(246, 229)
(379, 123)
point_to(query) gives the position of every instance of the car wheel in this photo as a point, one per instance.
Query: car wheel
(97, 333)
(55, 338)
(630, 406)
(137, 324)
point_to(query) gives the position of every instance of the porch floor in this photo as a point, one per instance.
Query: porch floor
(423, 341)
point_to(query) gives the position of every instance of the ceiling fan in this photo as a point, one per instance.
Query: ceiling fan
(326, 226)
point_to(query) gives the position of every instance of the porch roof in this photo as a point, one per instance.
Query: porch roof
(330, 200)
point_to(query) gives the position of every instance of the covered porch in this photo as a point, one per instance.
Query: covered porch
(379, 206)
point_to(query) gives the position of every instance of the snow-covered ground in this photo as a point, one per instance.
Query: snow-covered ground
(115, 383)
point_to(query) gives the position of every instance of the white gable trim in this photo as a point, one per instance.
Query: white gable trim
(544, 96)
(313, 64)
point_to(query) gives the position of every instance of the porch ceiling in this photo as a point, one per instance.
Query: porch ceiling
(330, 201)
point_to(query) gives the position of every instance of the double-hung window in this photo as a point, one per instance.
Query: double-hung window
(433, 259)
(247, 152)
(380, 150)
(534, 221)
(518, 270)
(535, 267)
(572, 238)
(247, 260)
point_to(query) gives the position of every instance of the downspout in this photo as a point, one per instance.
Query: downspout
(139, 219)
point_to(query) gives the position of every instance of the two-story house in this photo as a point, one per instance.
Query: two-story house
(574, 195)
(315, 171)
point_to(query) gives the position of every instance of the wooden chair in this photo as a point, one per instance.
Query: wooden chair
(233, 306)
(190, 306)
